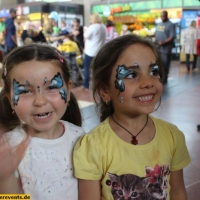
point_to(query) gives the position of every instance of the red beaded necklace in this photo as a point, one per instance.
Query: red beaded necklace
(134, 140)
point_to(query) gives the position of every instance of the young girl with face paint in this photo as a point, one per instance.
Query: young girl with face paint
(131, 154)
(44, 120)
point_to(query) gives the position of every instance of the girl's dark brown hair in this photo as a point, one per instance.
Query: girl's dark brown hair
(39, 52)
(106, 59)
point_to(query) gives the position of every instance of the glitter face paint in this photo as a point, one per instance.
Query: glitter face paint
(45, 80)
(27, 83)
(122, 72)
(38, 87)
(17, 90)
(155, 70)
(57, 82)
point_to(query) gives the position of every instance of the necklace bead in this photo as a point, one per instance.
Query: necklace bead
(134, 141)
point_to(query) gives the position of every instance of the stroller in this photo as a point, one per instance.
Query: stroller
(75, 61)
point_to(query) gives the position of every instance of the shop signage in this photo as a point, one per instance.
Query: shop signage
(35, 16)
(187, 17)
(26, 10)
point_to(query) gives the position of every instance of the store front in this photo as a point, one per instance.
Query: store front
(141, 17)
(38, 14)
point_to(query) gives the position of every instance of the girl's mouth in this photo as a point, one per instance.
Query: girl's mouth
(145, 98)
(43, 115)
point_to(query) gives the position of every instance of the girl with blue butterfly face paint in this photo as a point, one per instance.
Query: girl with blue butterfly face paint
(130, 150)
(37, 106)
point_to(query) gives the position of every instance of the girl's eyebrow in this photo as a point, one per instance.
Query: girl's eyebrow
(136, 65)
(153, 64)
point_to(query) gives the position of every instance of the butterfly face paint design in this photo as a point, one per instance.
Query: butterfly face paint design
(17, 90)
(122, 72)
(57, 82)
(155, 71)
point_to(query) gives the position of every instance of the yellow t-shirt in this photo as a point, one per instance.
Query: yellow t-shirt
(135, 171)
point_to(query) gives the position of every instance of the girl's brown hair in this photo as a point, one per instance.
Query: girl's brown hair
(106, 59)
(39, 52)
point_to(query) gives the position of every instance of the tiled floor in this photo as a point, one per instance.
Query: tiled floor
(181, 106)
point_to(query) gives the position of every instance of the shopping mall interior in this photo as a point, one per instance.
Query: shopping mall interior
(181, 97)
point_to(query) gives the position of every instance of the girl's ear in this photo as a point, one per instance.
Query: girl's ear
(104, 93)
(69, 87)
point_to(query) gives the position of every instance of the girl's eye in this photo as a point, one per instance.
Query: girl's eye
(52, 87)
(131, 75)
(154, 72)
(25, 92)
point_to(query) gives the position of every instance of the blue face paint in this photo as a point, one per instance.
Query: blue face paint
(45, 80)
(17, 89)
(122, 72)
(27, 83)
(57, 82)
(155, 71)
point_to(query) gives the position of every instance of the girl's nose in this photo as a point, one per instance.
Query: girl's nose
(146, 82)
(39, 100)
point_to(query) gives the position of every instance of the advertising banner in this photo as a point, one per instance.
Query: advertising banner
(187, 17)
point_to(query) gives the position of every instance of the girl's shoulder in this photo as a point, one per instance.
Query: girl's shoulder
(167, 129)
(73, 129)
(100, 133)
(162, 122)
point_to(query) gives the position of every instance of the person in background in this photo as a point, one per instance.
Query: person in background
(55, 28)
(64, 30)
(1, 62)
(164, 35)
(10, 32)
(78, 33)
(34, 34)
(36, 152)
(95, 37)
(70, 50)
(189, 36)
(125, 30)
(2, 35)
(130, 154)
(110, 31)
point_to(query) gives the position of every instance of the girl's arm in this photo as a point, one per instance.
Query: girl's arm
(10, 159)
(178, 191)
(89, 190)
(11, 186)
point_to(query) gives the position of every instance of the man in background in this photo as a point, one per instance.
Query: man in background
(78, 34)
(10, 33)
(165, 34)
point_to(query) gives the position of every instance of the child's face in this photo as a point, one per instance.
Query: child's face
(135, 78)
(39, 94)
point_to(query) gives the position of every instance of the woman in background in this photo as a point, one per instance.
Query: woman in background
(189, 45)
(95, 37)
(110, 31)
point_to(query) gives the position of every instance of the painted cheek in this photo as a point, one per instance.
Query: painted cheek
(58, 82)
(17, 89)
(122, 72)
(63, 94)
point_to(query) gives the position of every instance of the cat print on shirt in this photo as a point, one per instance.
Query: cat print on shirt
(131, 187)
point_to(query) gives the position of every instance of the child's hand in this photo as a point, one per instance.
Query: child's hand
(10, 158)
